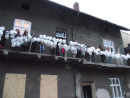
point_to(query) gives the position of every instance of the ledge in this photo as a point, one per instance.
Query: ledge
(57, 59)
(104, 65)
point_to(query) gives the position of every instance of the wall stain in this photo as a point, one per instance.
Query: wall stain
(102, 93)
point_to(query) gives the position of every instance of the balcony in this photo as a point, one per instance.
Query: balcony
(127, 50)
(9, 50)
(70, 61)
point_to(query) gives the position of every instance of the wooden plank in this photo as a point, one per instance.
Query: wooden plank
(14, 86)
(9, 86)
(20, 88)
(48, 88)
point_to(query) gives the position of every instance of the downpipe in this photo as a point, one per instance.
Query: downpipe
(75, 78)
(74, 26)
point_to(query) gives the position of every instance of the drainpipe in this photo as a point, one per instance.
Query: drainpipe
(75, 65)
(74, 26)
(75, 81)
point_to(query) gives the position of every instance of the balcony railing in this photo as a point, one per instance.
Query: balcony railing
(27, 43)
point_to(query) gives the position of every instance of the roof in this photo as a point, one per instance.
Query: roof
(124, 31)
(106, 21)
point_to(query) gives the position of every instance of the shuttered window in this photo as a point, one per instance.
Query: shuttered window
(14, 86)
(48, 86)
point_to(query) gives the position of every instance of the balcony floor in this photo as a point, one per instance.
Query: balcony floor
(56, 59)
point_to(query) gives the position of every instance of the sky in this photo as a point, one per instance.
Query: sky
(115, 11)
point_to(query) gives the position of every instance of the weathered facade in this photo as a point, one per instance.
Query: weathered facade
(72, 74)
(70, 80)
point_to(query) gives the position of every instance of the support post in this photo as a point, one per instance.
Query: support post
(31, 42)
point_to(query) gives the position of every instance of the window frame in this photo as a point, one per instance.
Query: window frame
(61, 36)
(109, 46)
(22, 28)
(116, 92)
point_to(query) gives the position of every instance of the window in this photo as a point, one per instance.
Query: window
(60, 33)
(116, 88)
(25, 6)
(48, 86)
(109, 44)
(14, 85)
(22, 25)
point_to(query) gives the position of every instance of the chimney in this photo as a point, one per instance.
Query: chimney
(76, 6)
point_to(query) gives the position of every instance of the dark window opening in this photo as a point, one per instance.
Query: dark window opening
(25, 6)
(106, 30)
(87, 91)
(61, 17)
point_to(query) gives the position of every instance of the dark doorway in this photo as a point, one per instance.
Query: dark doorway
(87, 91)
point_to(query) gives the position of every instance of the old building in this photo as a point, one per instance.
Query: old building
(32, 75)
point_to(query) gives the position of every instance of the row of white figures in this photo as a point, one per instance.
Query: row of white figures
(52, 43)
(1, 31)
